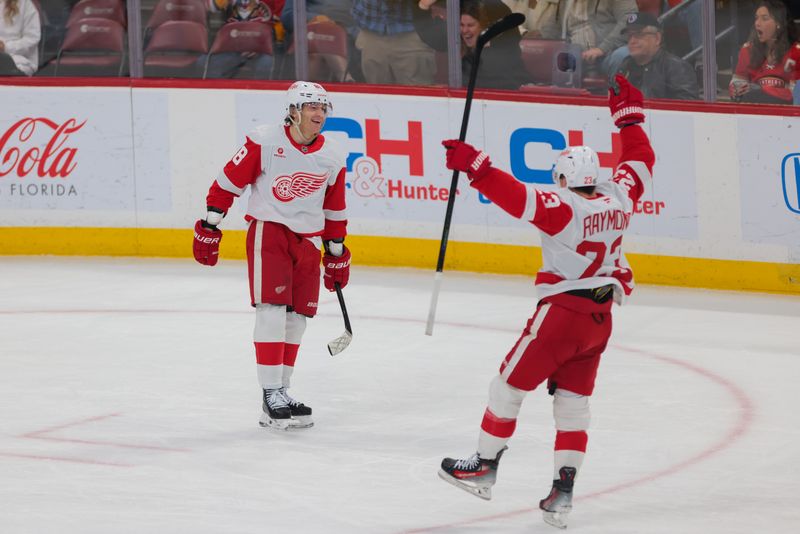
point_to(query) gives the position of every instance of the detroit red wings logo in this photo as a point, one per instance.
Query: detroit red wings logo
(298, 185)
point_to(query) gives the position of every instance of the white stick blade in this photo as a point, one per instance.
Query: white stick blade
(437, 285)
(340, 343)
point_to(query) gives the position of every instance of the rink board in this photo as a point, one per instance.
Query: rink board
(124, 171)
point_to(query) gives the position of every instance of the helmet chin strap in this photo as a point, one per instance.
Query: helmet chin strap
(296, 125)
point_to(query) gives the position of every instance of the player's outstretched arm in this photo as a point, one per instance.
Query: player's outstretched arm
(627, 111)
(496, 185)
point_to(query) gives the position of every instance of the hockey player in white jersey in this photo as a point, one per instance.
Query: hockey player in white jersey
(584, 270)
(297, 203)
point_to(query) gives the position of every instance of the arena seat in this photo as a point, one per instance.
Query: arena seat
(327, 51)
(551, 61)
(92, 47)
(174, 49)
(98, 9)
(248, 36)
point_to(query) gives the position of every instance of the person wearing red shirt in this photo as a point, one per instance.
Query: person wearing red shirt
(761, 75)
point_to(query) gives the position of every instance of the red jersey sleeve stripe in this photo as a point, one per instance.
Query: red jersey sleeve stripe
(219, 197)
(334, 230)
(636, 146)
(333, 207)
(552, 214)
(244, 167)
(224, 183)
(504, 190)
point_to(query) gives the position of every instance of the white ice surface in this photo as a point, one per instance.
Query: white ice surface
(129, 404)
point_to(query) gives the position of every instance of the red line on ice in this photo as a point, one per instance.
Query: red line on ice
(40, 434)
(746, 408)
(746, 413)
(62, 459)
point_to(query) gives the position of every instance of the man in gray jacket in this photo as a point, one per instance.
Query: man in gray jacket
(653, 70)
(595, 25)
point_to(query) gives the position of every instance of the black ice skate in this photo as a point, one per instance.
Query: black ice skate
(475, 475)
(276, 412)
(301, 414)
(557, 506)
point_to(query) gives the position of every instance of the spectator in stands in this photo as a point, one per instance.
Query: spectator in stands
(501, 59)
(20, 31)
(338, 11)
(429, 19)
(391, 50)
(654, 71)
(691, 17)
(760, 75)
(595, 25)
(526, 8)
(227, 64)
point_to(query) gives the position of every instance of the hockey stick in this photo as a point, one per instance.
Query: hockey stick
(340, 343)
(507, 23)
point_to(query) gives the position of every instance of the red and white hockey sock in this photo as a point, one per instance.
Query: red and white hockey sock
(269, 364)
(570, 448)
(289, 357)
(495, 433)
(500, 418)
(269, 338)
(295, 326)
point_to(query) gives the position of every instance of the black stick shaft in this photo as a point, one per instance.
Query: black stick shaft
(510, 21)
(451, 200)
(344, 308)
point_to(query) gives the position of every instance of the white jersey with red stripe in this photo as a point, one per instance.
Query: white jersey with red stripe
(581, 237)
(299, 186)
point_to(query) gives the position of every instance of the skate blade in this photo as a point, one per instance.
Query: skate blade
(274, 424)
(556, 519)
(301, 422)
(484, 493)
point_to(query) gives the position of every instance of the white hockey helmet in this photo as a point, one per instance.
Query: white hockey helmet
(304, 92)
(579, 165)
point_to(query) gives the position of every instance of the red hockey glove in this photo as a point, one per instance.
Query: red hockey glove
(625, 103)
(206, 243)
(337, 269)
(463, 157)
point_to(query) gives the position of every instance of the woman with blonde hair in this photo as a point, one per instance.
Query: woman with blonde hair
(20, 31)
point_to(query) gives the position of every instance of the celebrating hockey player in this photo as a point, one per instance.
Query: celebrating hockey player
(297, 204)
(581, 226)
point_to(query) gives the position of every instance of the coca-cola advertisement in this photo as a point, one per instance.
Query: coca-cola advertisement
(56, 160)
(76, 157)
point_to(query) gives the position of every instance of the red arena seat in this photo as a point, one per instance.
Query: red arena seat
(98, 9)
(248, 36)
(92, 47)
(174, 48)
